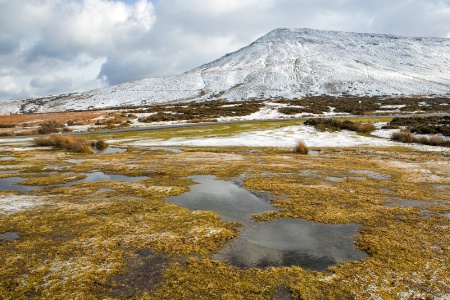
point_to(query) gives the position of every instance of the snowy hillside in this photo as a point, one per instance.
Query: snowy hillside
(287, 63)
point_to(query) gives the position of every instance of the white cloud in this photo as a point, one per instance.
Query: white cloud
(58, 46)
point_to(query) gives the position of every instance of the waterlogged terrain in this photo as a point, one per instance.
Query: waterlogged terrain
(345, 223)
(283, 242)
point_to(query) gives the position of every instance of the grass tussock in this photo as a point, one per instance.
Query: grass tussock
(89, 233)
(7, 133)
(6, 125)
(50, 126)
(71, 144)
(301, 148)
(406, 136)
(336, 125)
(99, 144)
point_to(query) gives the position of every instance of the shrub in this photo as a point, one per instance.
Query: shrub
(403, 137)
(50, 127)
(335, 125)
(365, 127)
(99, 144)
(408, 137)
(7, 133)
(5, 125)
(301, 148)
(71, 144)
(435, 140)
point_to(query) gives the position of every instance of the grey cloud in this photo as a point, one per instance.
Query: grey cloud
(8, 44)
(48, 37)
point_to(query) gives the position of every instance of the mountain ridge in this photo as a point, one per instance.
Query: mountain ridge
(288, 63)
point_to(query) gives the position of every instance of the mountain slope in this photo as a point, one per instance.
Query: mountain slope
(289, 63)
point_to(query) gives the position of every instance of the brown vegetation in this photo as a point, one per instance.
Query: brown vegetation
(99, 144)
(301, 148)
(71, 144)
(406, 136)
(422, 125)
(85, 117)
(335, 125)
(50, 126)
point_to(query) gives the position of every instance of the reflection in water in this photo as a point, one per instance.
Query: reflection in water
(231, 202)
(110, 150)
(287, 242)
(283, 242)
(100, 176)
(407, 203)
(12, 184)
(373, 174)
(75, 161)
(9, 236)
(5, 158)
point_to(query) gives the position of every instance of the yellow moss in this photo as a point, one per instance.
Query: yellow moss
(75, 245)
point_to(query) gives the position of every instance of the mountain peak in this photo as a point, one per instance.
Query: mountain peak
(291, 63)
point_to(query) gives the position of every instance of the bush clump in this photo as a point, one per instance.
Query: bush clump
(405, 136)
(422, 125)
(99, 144)
(300, 147)
(6, 125)
(7, 133)
(71, 144)
(49, 127)
(335, 125)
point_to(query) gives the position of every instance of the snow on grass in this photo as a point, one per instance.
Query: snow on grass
(287, 137)
(10, 204)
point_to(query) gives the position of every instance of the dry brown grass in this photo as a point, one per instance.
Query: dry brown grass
(100, 144)
(71, 144)
(408, 137)
(7, 133)
(301, 148)
(36, 119)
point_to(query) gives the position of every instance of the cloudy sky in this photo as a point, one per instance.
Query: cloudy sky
(59, 46)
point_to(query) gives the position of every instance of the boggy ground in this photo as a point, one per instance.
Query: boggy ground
(117, 240)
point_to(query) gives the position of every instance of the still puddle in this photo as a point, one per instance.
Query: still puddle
(13, 183)
(335, 179)
(288, 242)
(407, 203)
(232, 202)
(6, 158)
(372, 174)
(110, 150)
(9, 236)
(100, 176)
(76, 161)
(168, 149)
(283, 242)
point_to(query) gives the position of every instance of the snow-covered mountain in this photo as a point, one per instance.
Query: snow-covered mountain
(286, 63)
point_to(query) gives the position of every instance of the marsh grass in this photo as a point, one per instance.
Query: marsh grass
(300, 147)
(405, 136)
(336, 125)
(74, 246)
(69, 143)
(7, 133)
(99, 144)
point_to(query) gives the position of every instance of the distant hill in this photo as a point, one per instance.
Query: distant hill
(285, 63)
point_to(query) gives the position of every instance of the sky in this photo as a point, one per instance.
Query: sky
(51, 47)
